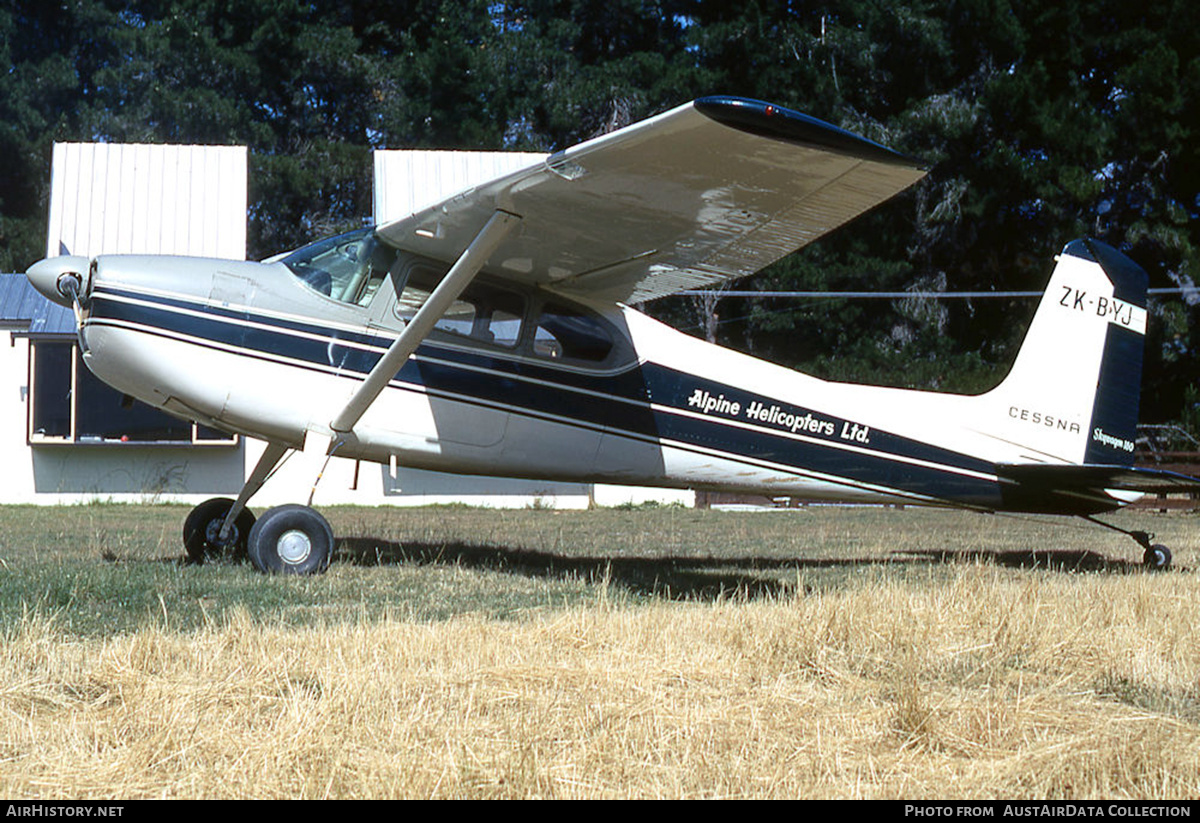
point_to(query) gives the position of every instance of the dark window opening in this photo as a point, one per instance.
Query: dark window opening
(70, 404)
(565, 333)
(102, 414)
(50, 412)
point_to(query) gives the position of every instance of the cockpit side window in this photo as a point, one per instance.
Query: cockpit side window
(489, 314)
(481, 314)
(349, 267)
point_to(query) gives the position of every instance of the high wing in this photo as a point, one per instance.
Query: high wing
(712, 190)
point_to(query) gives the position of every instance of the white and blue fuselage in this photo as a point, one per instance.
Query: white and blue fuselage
(251, 348)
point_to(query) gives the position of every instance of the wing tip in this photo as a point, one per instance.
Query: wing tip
(780, 123)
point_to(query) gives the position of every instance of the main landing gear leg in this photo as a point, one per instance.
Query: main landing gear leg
(296, 539)
(1154, 555)
(289, 539)
(220, 528)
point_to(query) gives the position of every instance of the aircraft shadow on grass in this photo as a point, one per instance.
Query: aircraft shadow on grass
(695, 578)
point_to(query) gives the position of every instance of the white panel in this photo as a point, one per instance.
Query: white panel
(57, 172)
(232, 228)
(126, 218)
(148, 199)
(407, 181)
(184, 204)
(134, 190)
(89, 211)
(168, 232)
(204, 204)
(197, 203)
(109, 217)
(79, 211)
(152, 237)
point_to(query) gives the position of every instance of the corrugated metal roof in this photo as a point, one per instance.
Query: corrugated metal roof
(23, 307)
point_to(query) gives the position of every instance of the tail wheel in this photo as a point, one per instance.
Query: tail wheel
(1157, 557)
(202, 532)
(291, 539)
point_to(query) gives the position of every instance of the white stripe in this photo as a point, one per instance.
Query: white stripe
(320, 338)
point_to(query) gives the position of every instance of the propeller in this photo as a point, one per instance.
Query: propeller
(62, 280)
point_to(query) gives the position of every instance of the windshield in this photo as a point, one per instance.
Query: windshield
(349, 267)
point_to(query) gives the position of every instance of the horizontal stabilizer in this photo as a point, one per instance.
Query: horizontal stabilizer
(1097, 478)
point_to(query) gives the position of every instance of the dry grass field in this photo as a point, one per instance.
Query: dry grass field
(844, 653)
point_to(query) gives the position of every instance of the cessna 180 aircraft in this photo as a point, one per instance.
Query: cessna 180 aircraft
(492, 334)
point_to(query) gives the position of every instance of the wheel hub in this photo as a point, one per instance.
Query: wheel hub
(294, 547)
(212, 534)
(1157, 557)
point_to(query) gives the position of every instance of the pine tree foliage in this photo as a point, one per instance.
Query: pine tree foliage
(1043, 121)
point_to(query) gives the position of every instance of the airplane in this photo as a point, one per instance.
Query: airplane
(493, 333)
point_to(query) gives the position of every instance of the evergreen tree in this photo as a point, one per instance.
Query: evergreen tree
(1042, 121)
(50, 51)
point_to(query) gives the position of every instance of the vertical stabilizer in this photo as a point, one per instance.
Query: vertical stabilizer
(1072, 395)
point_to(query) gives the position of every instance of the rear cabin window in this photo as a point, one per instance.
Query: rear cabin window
(491, 315)
(569, 334)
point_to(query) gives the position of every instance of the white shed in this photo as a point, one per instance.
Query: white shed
(112, 198)
(68, 438)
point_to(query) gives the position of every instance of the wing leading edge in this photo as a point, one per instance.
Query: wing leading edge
(712, 190)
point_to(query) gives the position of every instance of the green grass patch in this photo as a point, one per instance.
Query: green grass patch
(107, 568)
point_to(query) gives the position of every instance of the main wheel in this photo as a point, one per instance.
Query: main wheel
(291, 539)
(202, 532)
(1157, 557)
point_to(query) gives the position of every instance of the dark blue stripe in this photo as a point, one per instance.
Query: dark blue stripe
(621, 407)
(625, 382)
(1118, 394)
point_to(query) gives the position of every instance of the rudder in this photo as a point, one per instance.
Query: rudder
(1073, 393)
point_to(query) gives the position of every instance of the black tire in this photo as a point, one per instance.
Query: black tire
(1157, 557)
(201, 530)
(291, 539)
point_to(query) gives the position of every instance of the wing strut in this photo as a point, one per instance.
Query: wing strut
(461, 273)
